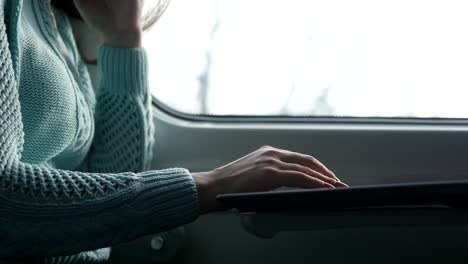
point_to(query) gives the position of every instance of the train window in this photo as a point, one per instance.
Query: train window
(335, 58)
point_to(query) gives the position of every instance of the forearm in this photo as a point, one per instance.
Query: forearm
(123, 138)
(85, 211)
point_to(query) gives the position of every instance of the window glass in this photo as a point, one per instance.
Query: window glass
(361, 58)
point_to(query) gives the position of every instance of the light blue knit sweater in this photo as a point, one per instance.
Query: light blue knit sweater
(69, 159)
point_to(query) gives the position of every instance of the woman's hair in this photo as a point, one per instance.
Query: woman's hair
(150, 18)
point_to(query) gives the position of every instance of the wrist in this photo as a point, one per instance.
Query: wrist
(206, 191)
(124, 40)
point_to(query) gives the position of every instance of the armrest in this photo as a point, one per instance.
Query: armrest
(435, 203)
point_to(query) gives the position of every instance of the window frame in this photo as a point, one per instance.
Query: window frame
(239, 119)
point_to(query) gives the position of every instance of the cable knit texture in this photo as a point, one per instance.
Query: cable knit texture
(70, 160)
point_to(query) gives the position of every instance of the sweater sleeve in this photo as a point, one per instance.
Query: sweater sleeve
(123, 138)
(49, 212)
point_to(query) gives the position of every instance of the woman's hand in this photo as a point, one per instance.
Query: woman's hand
(119, 21)
(265, 169)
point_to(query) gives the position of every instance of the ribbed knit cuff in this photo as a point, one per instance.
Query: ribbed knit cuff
(123, 70)
(167, 198)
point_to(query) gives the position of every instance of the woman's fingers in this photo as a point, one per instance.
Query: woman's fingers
(298, 179)
(307, 161)
(314, 166)
(311, 173)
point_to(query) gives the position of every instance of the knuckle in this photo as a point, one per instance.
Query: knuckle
(271, 152)
(317, 163)
(329, 172)
(313, 160)
(265, 148)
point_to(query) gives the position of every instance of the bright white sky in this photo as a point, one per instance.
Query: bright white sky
(377, 58)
